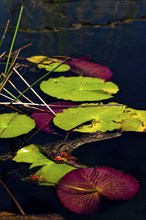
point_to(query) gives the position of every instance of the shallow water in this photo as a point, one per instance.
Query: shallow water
(113, 33)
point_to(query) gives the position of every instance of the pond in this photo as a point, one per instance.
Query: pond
(114, 34)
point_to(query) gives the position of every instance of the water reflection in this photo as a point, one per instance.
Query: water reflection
(61, 13)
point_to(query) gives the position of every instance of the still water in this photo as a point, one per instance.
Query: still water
(114, 34)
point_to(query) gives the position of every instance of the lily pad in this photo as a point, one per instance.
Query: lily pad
(55, 67)
(80, 190)
(43, 59)
(14, 124)
(37, 59)
(50, 171)
(79, 88)
(101, 118)
(86, 68)
(44, 119)
(49, 64)
(31, 154)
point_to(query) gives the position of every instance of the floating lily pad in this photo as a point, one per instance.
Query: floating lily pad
(44, 119)
(79, 88)
(37, 59)
(49, 64)
(80, 190)
(86, 68)
(55, 67)
(49, 170)
(14, 124)
(101, 118)
(31, 154)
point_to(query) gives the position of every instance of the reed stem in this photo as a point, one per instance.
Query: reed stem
(7, 69)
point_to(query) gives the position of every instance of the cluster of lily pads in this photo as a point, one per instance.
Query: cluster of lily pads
(79, 88)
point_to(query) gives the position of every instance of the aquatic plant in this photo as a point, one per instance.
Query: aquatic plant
(10, 124)
(101, 117)
(79, 88)
(84, 67)
(81, 66)
(84, 187)
(55, 164)
(72, 116)
(31, 154)
(44, 118)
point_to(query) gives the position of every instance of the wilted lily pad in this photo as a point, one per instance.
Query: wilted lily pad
(79, 88)
(90, 118)
(49, 64)
(43, 59)
(37, 59)
(14, 124)
(50, 171)
(80, 190)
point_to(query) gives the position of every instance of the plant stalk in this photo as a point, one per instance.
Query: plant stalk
(12, 197)
(13, 41)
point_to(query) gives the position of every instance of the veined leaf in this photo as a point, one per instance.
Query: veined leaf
(50, 171)
(80, 190)
(101, 118)
(79, 88)
(14, 124)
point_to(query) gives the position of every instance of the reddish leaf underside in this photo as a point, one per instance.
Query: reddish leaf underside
(78, 201)
(77, 194)
(80, 189)
(87, 68)
(114, 184)
(43, 119)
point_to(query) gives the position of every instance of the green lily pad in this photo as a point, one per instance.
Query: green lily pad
(50, 171)
(54, 172)
(14, 124)
(137, 122)
(54, 67)
(31, 154)
(101, 118)
(79, 88)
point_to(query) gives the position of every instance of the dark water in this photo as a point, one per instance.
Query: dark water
(114, 34)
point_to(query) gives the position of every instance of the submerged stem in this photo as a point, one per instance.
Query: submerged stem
(12, 197)
(5, 31)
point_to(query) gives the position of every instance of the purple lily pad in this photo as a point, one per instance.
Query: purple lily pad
(80, 190)
(44, 119)
(114, 184)
(82, 66)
